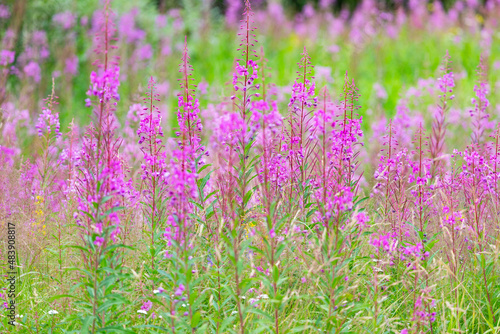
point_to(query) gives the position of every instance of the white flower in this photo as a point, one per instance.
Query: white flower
(53, 312)
(160, 290)
(234, 312)
(243, 297)
(183, 305)
(19, 316)
(263, 296)
(142, 311)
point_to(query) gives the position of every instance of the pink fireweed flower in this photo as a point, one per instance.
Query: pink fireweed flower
(190, 126)
(7, 155)
(343, 141)
(189, 121)
(71, 65)
(278, 171)
(104, 84)
(99, 241)
(105, 81)
(7, 57)
(380, 92)
(48, 122)
(180, 290)
(112, 183)
(143, 53)
(32, 69)
(392, 169)
(413, 254)
(452, 219)
(38, 48)
(342, 201)
(182, 181)
(147, 305)
(150, 135)
(172, 232)
(233, 11)
(266, 123)
(446, 83)
(98, 228)
(272, 233)
(404, 122)
(182, 188)
(423, 303)
(384, 242)
(336, 203)
(127, 27)
(65, 19)
(246, 69)
(362, 220)
(303, 94)
(4, 11)
(68, 158)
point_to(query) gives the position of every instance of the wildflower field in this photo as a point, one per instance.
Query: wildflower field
(202, 166)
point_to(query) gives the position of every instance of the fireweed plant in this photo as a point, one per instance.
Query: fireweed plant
(154, 168)
(50, 193)
(438, 135)
(239, 163)
(185, 194)
(100, 186)
(267, 209)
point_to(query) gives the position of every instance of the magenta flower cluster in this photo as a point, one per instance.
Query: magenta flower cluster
(48, 123)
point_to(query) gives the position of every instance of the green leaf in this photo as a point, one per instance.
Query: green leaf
(196, 319)
(202, 168)
(109, 303)
(256, 310)
(247, 197)
(86, 323)
(227, 322)
(276, 274)
(116, 329)
(62, 296)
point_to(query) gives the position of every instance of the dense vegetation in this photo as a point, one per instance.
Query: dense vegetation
(187, 172)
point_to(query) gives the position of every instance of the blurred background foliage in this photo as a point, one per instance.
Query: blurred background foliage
(295, 6)
(46, 8)
(394, 63)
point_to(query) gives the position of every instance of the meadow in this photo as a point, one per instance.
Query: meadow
(248, 169)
